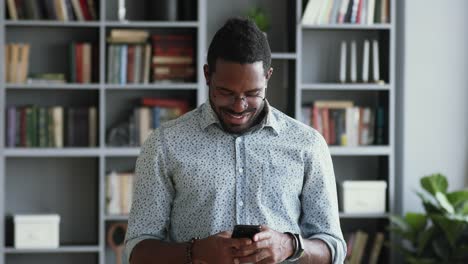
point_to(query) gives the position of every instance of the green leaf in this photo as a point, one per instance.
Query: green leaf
(429, 206)
(416, 221)
(462, 208)
(400, 223)
(441, 249)
(414, 260)
(424, 238)
(444, 202)
(452, 228)
(458, 197)
(461, 252)
(434, 183)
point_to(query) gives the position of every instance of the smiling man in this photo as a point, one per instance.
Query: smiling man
(235, 160)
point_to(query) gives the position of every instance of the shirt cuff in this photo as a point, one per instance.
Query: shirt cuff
(337, 255)
(131, 243)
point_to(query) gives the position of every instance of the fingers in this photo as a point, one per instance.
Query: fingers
(238, 242)
(257, 257)
(266, 234)
(225, 234)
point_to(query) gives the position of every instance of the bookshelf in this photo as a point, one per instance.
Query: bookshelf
(299, 77)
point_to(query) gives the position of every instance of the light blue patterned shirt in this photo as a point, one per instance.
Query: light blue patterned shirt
(193, 179)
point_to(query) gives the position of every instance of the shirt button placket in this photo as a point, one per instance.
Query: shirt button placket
(240, 180)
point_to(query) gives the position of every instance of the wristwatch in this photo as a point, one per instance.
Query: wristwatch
(298, 247)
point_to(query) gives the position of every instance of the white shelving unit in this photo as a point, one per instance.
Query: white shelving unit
(296, 80)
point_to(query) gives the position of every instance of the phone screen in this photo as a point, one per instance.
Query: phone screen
(246, 231)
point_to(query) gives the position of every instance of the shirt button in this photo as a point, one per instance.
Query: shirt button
(241, 203)
(241, 170)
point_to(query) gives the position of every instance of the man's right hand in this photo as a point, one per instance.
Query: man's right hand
(217, 248)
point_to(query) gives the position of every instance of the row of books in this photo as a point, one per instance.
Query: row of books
(83, 56)
(351, 62)
(128, 63)
(341, 123)
(119, 187)
(62, 10)
(173, 57)
(52, 127)
(365, 12)
(150, 114)
(17, 62)
(128, 56)
(359, 247)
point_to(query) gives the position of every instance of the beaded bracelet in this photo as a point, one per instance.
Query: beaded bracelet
(189, 257)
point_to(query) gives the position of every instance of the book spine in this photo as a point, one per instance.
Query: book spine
(11, 127)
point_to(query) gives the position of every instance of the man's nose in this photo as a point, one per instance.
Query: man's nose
(240, 104)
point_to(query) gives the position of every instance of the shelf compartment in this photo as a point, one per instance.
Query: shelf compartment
(58, 42)
(281, 87)
(282, 32)
(150, 11)
(63, 185)
(128, 100)
(321, 51)
(115, 51)
(61, 249)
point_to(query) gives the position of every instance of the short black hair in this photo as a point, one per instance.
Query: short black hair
(241, 41)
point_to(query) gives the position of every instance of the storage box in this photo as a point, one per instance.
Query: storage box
(363, 196)
(36, 231)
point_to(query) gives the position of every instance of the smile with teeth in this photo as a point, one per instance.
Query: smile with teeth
(237, 116)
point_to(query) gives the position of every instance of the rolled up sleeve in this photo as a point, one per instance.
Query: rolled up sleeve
(152, 195)
(320, 217)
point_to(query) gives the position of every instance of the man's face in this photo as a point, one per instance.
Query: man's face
(236, 93)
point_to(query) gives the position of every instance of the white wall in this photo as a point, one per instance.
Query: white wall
(432, 67)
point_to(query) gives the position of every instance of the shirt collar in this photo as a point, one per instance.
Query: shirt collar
(209, 117)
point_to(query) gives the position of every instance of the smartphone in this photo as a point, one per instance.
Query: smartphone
(246, 231)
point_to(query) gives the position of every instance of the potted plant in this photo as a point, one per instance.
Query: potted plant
(260, 17)
(441, 234)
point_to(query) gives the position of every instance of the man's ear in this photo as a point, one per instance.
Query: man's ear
(206, 72)
(269, 73)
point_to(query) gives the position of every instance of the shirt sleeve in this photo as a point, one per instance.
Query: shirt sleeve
(152, 195)
(320, 217)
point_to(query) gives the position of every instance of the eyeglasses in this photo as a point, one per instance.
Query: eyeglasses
(225, 99)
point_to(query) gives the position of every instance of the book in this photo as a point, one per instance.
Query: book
(370, 11)
(93, 126)
(376, 248)
(365, 61)
(112, 194)
(375, 61)
(12, 12)
(77, 9)
(353, 72)
(166, 103)
(310, 12)
(128, 36)
(343, 62)
(359, 247)
(11, 126)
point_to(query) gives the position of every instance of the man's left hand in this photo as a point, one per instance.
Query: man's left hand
(269, 246)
